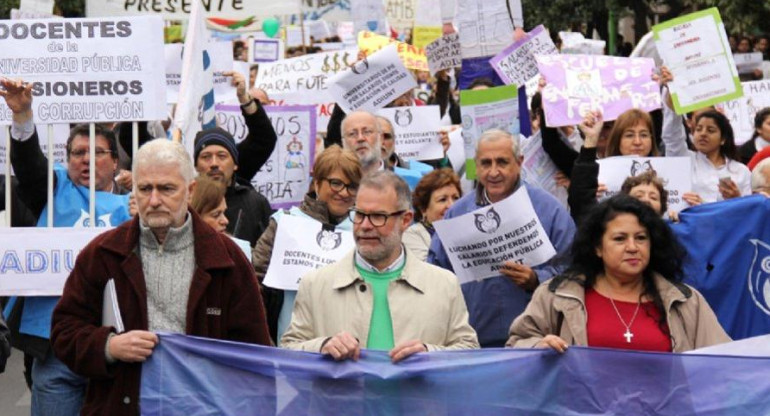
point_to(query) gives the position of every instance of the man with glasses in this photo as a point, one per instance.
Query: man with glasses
(380, 296)
(362, 134)
(55, 389)
(389, 145)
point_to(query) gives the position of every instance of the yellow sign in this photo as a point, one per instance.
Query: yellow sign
(423, 35)
(412, 56)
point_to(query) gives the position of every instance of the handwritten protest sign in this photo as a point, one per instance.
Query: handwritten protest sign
(328, 10)
(417, 131)
(674, 171)
(180, 9)
(574, 43)
(303, 245)
(741, 112)
(492, 108)
(578, 84)
(516, 64)
(444, 53)
(284, 179)
(60, 135)
(412, 56)
(304, 80)
(747, 63)
(372, 83)
(37, 261)
(266, 50)
(480, 242)
(400, 14)
(221, 55)
(695, 49)
(538, 169)
(424, 35)
(484, 26)
(86, 70)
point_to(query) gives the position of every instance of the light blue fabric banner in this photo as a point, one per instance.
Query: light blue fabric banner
(195, 376)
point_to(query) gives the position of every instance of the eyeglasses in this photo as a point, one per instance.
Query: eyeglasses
(81, 153)
(387, 136)
(378, 219)
(352, 135)
(337, 186)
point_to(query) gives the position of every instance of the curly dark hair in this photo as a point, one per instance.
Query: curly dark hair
(666, 254)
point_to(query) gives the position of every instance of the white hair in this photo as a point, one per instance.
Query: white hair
(165, 152)
(493, 135)
(759, 179)
(377, 127)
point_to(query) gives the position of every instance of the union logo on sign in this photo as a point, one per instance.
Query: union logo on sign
(759, 275)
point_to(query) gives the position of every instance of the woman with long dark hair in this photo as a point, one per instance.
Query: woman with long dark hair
(623, 289)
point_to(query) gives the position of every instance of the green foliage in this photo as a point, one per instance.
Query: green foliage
(6, 6)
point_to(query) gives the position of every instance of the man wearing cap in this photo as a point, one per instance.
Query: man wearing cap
(248, 211)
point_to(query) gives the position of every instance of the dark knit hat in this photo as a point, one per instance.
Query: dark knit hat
(218, 136)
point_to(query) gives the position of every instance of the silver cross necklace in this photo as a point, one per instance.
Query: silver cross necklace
(628, 334)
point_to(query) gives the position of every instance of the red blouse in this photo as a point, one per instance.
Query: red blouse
(605, 329)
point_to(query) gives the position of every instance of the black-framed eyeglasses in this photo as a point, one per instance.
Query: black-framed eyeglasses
(378, 219)
(337, 186)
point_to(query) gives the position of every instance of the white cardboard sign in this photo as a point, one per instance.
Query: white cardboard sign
(417, 131)
(675, 172)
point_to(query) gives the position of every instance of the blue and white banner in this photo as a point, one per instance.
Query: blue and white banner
(196, 376)
(729, 247)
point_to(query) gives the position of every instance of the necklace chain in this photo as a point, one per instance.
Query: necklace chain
(628, 333)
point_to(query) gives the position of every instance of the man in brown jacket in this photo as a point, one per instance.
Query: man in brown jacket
(171, 273)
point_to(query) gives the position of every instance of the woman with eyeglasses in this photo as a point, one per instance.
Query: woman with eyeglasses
(336, 176)
(434, 194)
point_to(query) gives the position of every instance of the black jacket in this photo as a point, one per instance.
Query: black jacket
(583, 184)
(247, 210)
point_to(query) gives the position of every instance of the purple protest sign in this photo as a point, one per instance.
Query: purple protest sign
(578, 84)
(516, 64)
(285, 177)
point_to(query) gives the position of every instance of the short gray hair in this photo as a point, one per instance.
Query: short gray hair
(758, 178)
(342, 126)
(493, 135)
(165, 152)
(383, 179)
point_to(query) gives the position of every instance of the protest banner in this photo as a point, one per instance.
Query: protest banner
(417, 131)
(60, 135)
(400, 14)
(578, 84)
(450, 383)
(328, 10)
(303, 245)
(37, 6)
(17, 14)
(369, 15)
(372, 83)
(86, 70)
(696, 51)
(675, 172)
(456, 152)
(221, 56)
(331, 46)
(444, 53)
(516, 64)
(427, 13)
(747, 63)
(538, 169)
(304, 81)
(294, 37)
(480, 242)
(285, 177)
(574, 43)
(266, 50)
(412, 56)
(37, 261)
(181, 9)
(485, 27)
(728, 246)
(424, 35)
(741, 111)
(483, 110)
